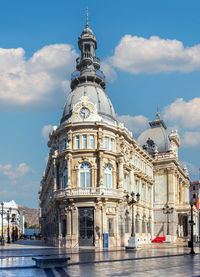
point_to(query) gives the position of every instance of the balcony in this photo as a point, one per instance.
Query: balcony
(88, 192)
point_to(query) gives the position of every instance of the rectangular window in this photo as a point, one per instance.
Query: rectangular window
(77, 142)
(64, 144)
(106, 142)
(112, 144)
(84, 142)
(91, 141)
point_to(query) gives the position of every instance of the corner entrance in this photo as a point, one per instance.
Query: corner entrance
(86, 226)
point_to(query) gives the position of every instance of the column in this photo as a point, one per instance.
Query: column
(68, 219)
(121, 172)
(69, 166)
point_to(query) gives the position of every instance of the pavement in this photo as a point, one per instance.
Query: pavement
(159, 259)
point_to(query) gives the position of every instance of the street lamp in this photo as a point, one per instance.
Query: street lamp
(167, 210)
(131, 201)
(2, 213)
(192, 202)
(8, 218)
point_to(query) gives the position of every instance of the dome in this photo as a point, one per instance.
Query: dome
(157, 135)
(96, 95)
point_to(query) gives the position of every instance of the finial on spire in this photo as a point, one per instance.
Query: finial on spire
(158, 113)
(87, 22)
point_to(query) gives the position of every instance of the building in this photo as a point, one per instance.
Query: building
(11, 221)
(94, 162)
(195, 190)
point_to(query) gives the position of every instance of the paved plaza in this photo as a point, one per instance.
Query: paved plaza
(150, 260)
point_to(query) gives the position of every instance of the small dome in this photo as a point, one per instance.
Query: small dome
(96, 95)
(159, 137)
(157, 134)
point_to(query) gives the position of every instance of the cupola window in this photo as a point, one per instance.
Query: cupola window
(85, 175)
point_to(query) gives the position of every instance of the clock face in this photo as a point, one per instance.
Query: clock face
(84, 112)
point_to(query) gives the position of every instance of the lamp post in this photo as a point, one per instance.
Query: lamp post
(167, 210)
(131, 201)
(8, 218)
(192, 226)
(2, 213)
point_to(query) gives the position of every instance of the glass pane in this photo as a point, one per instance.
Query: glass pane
(110, 180)
(84, 141)
(105, 180)
(77, 142)
(91, 141)
(88, 179)
(106, 142)
(82, 179)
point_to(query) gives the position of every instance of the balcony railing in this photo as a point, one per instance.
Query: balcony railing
(110, 192)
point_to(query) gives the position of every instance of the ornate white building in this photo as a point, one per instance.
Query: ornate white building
(94, 162)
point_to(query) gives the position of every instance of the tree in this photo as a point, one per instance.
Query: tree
(25, 224)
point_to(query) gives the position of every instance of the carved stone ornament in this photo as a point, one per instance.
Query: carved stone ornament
(84, 110)
(111, 210)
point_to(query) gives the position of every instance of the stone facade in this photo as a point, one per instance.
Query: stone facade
(94, 162)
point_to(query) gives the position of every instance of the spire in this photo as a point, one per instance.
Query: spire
(158, 122)
(157, 114)
(87, 21)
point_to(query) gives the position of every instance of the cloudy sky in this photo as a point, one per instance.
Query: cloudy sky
(150, 53)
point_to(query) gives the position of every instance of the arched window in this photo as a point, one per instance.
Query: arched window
(65, 178)
(107, 176)
(85, 179)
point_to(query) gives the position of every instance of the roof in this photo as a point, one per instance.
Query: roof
(96, 95)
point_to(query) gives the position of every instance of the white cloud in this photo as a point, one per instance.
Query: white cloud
(108, 70)
(154, 55)
(136, 124)
(37, 82)
(14, 174)
(46, 130)
(185, 113)
(191, 139)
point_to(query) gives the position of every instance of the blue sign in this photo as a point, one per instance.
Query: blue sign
(106, 240)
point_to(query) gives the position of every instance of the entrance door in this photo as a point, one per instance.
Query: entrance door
(86, 226)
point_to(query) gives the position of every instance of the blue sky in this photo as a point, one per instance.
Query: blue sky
(150, 53)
